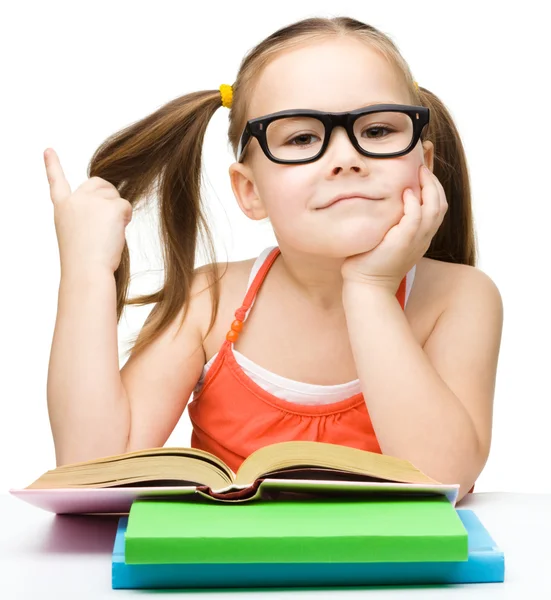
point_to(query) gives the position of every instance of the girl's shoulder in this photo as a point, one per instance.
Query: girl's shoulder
(232, 279)
(445, 279)
(440, 285)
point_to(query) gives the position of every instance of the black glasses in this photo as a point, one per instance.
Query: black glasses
(302, 136)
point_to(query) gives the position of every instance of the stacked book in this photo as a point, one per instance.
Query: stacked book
(293, 514)
(302, 543)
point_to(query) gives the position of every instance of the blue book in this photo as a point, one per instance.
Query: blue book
(485, 564)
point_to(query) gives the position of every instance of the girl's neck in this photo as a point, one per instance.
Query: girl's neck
(312, 279)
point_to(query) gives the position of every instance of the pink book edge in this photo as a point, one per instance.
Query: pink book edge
(119, 500)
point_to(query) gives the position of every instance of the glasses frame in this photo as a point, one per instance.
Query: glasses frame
(419, 116)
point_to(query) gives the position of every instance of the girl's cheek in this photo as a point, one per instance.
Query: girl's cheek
(406, 174)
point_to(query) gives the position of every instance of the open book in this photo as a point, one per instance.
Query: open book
(301, 465)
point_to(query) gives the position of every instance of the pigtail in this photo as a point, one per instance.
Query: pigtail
(455, 240)
(161, 155)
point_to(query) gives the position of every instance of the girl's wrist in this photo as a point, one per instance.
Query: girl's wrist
(353, 287)
(355, 293)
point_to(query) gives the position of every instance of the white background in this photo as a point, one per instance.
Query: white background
(73, 73)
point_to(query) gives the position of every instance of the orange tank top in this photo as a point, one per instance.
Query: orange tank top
(232, 416)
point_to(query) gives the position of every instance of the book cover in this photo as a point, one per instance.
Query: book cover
(388, 529)
(485, 564)
(119, 499)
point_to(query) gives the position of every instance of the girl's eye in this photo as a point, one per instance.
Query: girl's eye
(303, 139)
(377, 128)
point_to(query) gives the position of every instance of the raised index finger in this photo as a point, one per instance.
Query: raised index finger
(59, 186)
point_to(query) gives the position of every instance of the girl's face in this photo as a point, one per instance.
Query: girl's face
(332, 75)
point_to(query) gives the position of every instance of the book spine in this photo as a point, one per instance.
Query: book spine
(284, 549)
(231, 493)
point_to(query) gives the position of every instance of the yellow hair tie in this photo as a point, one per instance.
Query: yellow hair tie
(226, 92)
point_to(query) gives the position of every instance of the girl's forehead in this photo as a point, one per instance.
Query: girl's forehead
(333, 75)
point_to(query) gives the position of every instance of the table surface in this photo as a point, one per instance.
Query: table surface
(43, 555)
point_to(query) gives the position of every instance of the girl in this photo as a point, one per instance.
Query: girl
(371, 325)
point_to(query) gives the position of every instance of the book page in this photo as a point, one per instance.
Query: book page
(163, 451)
(302, 454)
(137, 468)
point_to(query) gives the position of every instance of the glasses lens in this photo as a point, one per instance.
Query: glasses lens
(384, 132)
(295, 138)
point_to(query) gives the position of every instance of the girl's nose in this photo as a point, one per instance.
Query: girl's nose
(342, 155)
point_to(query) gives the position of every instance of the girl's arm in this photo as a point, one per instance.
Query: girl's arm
(160, 379)
(95, 409)
(431, 405)
(87, 404)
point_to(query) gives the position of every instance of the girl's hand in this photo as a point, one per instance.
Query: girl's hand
(405, 243)
(90, 222)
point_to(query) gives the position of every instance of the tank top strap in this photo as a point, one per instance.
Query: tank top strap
(242, 312)
(401, 293)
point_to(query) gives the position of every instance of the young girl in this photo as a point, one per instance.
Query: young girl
(368, 325)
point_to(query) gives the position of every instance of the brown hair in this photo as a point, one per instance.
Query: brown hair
(161, 154)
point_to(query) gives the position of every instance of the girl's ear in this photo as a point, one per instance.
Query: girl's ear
(246, 194)
(428, 154)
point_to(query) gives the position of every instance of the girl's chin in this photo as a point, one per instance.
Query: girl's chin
(338, 247)
(354, 242)
(341, 239)
(347, 249)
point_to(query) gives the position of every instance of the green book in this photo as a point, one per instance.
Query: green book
(390, 529)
